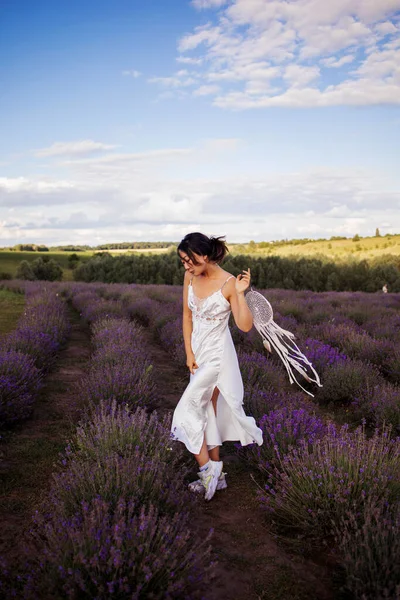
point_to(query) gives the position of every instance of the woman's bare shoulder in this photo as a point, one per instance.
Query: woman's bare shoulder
(187, 278)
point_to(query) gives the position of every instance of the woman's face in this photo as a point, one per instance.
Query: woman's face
(190, 266)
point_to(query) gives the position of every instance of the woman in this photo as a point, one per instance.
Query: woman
(210, 410)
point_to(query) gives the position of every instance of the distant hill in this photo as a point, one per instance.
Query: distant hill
(336, 248)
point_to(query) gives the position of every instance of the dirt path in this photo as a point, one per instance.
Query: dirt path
(252, 565)
(27, 455)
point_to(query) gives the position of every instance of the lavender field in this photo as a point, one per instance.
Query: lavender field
(117, 520)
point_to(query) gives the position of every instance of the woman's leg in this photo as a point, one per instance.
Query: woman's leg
(214, 452)
(203, 457)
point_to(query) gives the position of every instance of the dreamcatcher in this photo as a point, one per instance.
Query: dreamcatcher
(280, 340)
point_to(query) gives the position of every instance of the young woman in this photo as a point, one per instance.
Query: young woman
(211, 408)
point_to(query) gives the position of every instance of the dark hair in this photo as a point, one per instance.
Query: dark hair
(198, 243)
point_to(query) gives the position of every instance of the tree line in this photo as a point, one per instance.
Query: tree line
(316, 274)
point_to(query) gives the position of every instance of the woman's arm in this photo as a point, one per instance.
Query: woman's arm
(235, 295)
(187, 326)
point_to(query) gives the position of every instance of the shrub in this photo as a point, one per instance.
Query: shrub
(102, 309)
(41, 330)
(344, 381)
(282, 429)
(321, 355)
(47, 269)
(133, 475)
(25, 271)
(38, 345)
(312, 490)
(130, 551)
(171, 338)
(110, 333)
(20, 382)
(122, 378)
(115, 428)
(378, 405)
(4, 276)
(261, 372)
(369, 547)
(391, 366)
(145, 310)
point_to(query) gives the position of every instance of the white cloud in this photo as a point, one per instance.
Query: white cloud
(151, 156)
(333, 62)
(187, 60)
(386, 28)
(23, 184)
(72, 148)
(180, 79)
(203, 34)
(206, 90)
(157, 202)
(300, 76)
(132, 73)
(269, 53)
(202, 4)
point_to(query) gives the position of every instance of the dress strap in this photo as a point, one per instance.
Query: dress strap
(226, 280)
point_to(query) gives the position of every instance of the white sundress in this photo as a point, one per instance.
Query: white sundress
(216, 358)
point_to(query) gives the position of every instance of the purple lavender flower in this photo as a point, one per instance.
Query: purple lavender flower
(20, 382)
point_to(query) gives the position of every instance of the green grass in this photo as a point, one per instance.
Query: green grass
(365, 248)
(9, 261)
(11, 307)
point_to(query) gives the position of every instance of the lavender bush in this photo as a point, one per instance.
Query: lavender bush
(322, 355)
(260, 371)
(120, 368)
(379, 404)
(283, 429)
(144, 310)
(113, 428)
(345, 380)
(20, 382)
(369, 548)
(127, 551)
(41, 330)
(312, 490)
(171, 338)
(134, 475)
(30, 350)
(122, 378)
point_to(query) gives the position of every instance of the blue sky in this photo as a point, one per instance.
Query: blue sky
(257, 119)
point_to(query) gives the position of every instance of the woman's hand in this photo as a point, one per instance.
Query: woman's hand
(242, 281)
(191, 362)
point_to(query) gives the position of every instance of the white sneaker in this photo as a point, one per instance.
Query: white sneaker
(198, 487)
(210, 476)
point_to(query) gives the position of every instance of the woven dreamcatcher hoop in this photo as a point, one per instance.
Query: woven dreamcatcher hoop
(281, 340)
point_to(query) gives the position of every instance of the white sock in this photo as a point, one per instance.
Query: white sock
(206, 466)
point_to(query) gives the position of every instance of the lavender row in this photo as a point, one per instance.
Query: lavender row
(28, 352)
(117, 520)
(323, 482)
(120, 367)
